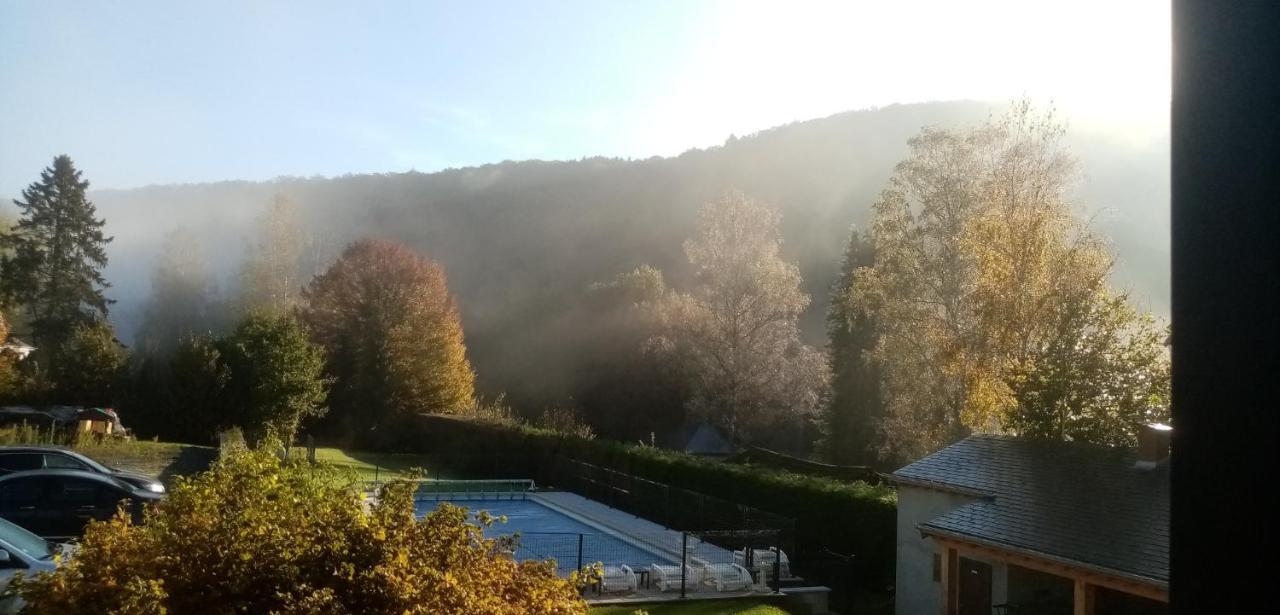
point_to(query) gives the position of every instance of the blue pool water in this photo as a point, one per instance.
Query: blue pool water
(547, 534)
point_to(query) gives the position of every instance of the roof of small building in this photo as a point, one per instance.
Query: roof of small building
(1072, 502)
(699, 439)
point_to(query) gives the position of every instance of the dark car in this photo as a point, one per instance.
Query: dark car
(20, 458)
(59, 503)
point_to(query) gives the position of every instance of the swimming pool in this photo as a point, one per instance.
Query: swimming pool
(549, 534)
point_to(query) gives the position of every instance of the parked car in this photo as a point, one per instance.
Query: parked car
(21, 551)
(19, 458)
(59, 503)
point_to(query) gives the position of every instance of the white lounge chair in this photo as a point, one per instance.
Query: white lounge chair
(763, 559)
(618, 579)
(667, 578)
(724, 577)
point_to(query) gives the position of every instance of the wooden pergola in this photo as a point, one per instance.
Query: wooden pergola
(1086, 580)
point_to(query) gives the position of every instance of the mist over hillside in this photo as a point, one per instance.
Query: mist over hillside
(522, 240)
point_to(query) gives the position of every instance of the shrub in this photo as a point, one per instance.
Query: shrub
(256, 535)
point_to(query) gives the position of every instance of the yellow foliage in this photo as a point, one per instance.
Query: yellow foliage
(258, 535)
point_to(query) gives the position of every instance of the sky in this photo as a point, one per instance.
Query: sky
(145, 93)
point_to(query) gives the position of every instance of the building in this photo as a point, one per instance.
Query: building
(994, 523)
(98, 421)
(703, 440)
(17, 348)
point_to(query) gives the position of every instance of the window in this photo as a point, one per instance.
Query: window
(74, 491)
(20, 492)
(63, 461)
(11, 561)
(16, 462)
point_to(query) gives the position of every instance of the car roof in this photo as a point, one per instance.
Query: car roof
(34, 449)
(62, 472)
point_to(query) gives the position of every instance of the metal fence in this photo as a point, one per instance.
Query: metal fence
(677, 563)
(673, 507)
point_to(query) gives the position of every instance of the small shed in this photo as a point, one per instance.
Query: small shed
(99, 421)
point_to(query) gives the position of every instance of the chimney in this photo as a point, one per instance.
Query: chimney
(1153, 445)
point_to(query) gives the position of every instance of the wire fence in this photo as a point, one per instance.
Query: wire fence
(678, 563)
(673, 507)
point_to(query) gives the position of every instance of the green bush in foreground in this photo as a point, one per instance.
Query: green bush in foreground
(258, 535)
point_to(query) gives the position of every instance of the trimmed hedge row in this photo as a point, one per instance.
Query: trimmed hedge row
(843, 517)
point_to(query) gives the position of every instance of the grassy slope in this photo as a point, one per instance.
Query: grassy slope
(695, 607)
(372, 466)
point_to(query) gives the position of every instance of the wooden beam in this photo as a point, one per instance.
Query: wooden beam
(1092, 577)
(950, 580)
(1083, 600)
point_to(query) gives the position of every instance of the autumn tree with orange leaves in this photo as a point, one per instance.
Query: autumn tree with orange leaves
(392, 335)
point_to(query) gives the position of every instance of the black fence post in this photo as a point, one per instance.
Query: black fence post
(684, 557)
(579, 552)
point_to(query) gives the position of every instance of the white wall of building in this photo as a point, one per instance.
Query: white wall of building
(917, 593)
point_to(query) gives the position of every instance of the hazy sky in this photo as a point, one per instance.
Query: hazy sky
(162, 92)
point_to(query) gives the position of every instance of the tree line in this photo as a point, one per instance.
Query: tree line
(977, 300)
(372, 336)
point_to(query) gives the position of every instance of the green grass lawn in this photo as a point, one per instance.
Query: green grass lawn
(371, 466)
(695, 607)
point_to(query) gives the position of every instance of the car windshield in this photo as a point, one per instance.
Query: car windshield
(97, 467)
(24, 541)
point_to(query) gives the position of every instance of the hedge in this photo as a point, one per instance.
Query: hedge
(839, 516)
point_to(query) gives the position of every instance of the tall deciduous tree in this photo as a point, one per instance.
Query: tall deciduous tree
(392, 335)
(739, 325)
(984, 277)
(183, 299)
(276, 375)
(271, 278)
(850, 416)
(625, 388)
(56, 254)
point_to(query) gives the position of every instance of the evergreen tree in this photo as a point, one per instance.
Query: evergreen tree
(57, 251)
(849, 418)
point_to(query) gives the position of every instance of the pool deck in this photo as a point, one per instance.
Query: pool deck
(651, 536)
(639, 529)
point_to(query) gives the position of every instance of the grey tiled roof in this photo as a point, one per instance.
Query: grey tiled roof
(1076, 502)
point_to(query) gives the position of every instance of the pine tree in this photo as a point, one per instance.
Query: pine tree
(57, 253)
(849, 419)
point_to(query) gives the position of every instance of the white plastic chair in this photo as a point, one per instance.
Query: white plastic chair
(724, 577)
(618, 579)
(667, 578)
(763, 559)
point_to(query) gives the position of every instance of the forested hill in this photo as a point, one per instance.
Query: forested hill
(521, 240)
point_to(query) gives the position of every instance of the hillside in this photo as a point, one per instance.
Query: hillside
(520, 240)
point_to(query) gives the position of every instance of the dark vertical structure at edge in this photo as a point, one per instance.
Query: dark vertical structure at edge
(1226, 228)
